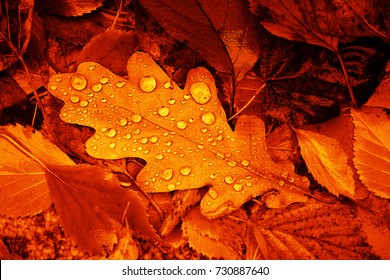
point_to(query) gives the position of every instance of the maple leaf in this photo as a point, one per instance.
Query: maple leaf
(223, 31)
(327, 161)
(372, 149)
(313, 230)
(91, 207)
(71, 8)
(182, 134)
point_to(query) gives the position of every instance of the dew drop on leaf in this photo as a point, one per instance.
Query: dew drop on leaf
(171, 101)
(112, 145)
(91, 67)
(104, 100)
(53, 87)
(84, 103)
(208, 118)
(111, 133)
(74, 98)
(171, 187)
(120, 84)
(96, 87)
(65, 93)
(104, 80)
(237, 187)
(213, 194)
(122, 122)
(153, 139)
(127, 136)
(163, 111)
(167, 84)
(159, 156)
(229, 179)
(185, 170)
(245, 162)
(103, 129)
(136, 118)
(136, 131)
(200, 92)
(167, 174)
(232, 163)
(78, 82)
(284, 174)
(168, 143)
(220, 156)
(181, 124)
(144, 140)
(213, 176)
(281, 183)
(148, 84)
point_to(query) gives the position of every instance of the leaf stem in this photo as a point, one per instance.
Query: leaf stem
(345, 72)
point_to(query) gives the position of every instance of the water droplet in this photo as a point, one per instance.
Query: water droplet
(248, 177)
(159, 156)
(291, 180)
(208, 118)
(78, 82)
(213, 194)
(111, 132)
(167, 84)
(96, 87)
(120, 84)
(181, 124)
(186, 170)
(136, 131)
(146, 152)
(248, 184)
(167, 174)
(91, 67)
(171, 101)
(139, 148)
(104, 100)
(74, 98)
(284, 174)
(163, 111)
(127, 136)
(53, 87)
(237, 187)
(186, 96)
(200, 92)
(219, 137)
(65, 93)
(171, 187)
(104, 80)
(229, 179)
(122, 122)
(245, 162)
(213, 176)
(58, 79)
(103, 129)
(148, 84)
(200, 147)
(144, 140)
(84, 103)
(204, 130)
(168, 143)
(112, 145)
(136, 118)
(220, 156)
(232, 163)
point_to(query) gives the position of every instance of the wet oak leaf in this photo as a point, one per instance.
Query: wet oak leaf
(327, 162)
(183, 135)
(372, 149)
(223, 31)
(313, 230)
(71, 8)
(220, 238)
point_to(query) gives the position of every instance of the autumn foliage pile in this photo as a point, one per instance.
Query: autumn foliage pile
(195, 129)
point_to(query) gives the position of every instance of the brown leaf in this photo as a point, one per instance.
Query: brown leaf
(313, 230)
(372, 149)
(15, 30)
(327, 161)
(281, 143)
(220, 238)
(71, 8)
(320, 23)
(223, 31)
(182, 134)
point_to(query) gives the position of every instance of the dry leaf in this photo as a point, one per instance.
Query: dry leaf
(313, 230)
(327, 162)
(220, 238)
(372, 149)
(223, 31)
(381, 96)
(320, 23)
(281, 143)
(182, 134)
(71, 8)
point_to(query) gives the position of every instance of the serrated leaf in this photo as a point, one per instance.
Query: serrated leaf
(223, 31)
(327, 161)
(220, 238)
(71, 8)
(314, 230)
(372, 149)
(182, 134)
(321, 22)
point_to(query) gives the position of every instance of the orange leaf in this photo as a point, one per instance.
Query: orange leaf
(182, 134)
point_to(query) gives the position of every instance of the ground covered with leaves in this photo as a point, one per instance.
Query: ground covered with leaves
(194, 129)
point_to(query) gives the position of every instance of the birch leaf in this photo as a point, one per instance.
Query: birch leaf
(183, 135)
(372, 149)
(313, 230)
(327, 161)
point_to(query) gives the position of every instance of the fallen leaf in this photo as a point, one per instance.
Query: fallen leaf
(281, 143)
(321, 23)
(71, 8)
(381, 96)
(15, 30)
(183, 135)
(372, 149)
(327, 162)
(223, 31)
(313, 230)
(220, 238)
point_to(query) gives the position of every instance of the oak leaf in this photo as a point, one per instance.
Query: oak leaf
(372, 149)
(182, 134)
(327, 162)
(223, 31)
(313, 230)
(71, 8)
